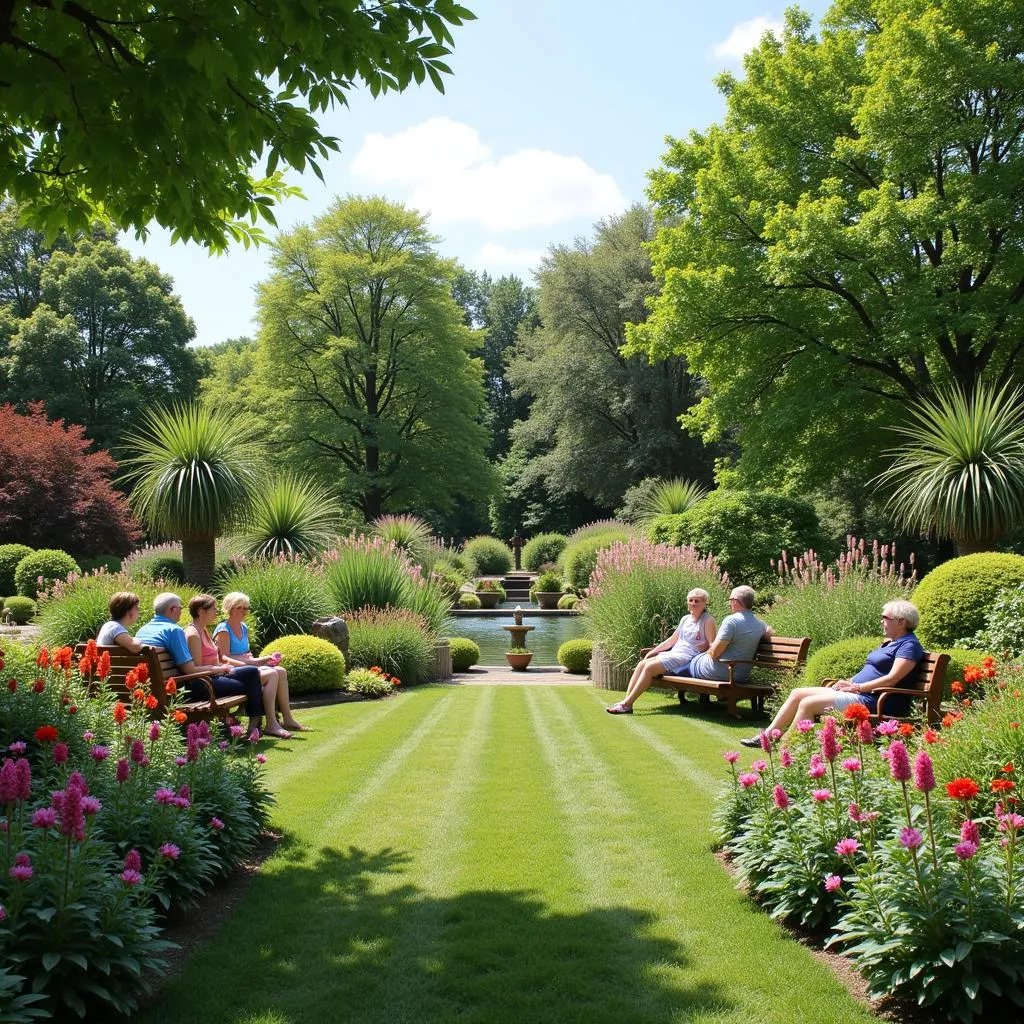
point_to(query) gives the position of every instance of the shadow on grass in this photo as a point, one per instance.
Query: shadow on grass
(341, 939)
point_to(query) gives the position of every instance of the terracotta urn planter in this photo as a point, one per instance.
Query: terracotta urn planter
(519, 661)
(488, 598)
(547, 598)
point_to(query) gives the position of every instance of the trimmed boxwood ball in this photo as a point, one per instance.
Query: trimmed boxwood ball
(839, 660)
(488, 556)
(542, 549)
(468, 600)
(955, 597)
(50, 563)
(313, 665)
(10, 556)
(574, 656)
(567, 601)
(465, 653)
(21, 608)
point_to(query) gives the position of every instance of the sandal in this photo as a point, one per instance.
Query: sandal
(619, 709)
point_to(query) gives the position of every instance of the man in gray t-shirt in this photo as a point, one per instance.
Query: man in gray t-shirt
(736, 640)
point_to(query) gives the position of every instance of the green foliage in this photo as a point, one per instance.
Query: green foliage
(667, 498)
(580, 556)
(839, 660)
(313, 665)
(1004, 624)
(269, 87)
(541, 550)
(574, 655)
(21, 608)
(160, 562)
(488, 556)
(285, 595)
(468, 600)
(548, 583)
(960, 469)
(955, 597)
(745, 530)
(49, 563)
(290, 516)
(485, 586)
(395, 640)
(108, 563)
(368, 684)
(567, 601)
(408, 533)
(817, 262)
(10, 556)
(959, 659)
(465, 653)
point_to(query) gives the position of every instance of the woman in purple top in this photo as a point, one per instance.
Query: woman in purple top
(889, 665)
(694, 634)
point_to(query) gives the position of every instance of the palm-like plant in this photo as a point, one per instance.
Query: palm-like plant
(960, 473)
(194, 472)
(408, 533)
(669, 497)
(289, 516)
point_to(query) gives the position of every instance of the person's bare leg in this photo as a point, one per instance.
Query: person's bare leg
(649, 671)
(287, 718)
(269, 700)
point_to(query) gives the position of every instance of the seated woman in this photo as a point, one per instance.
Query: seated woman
(232, 640)
(203, 609)
(888, 665)
(694, 634)
(124, 612)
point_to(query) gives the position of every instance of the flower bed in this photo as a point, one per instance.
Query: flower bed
(914, 870)
(107, 818)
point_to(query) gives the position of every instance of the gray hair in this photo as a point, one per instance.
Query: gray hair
(236, 597)
(903, 610)
(745, 596)
(699, 592)
(162, 603)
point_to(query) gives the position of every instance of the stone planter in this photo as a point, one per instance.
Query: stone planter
(442, 660)
(519, 662)
(605, 674)
(488, 598)
(547, 598)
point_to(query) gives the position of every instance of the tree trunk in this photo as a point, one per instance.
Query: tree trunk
(198, 555)
(974, 547)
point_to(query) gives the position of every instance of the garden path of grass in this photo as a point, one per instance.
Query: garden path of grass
(500, 854)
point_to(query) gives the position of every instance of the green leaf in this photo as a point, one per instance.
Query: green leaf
(50, 960)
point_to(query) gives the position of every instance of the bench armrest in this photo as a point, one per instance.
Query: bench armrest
(886, 691)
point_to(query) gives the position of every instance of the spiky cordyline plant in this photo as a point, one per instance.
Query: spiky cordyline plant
(669, 497)
(289, 516)
(407, 532)
(960, 472)
(194, 471)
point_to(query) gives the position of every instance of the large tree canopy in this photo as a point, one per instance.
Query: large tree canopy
(377, 389)
(851, 236)
(143, 112)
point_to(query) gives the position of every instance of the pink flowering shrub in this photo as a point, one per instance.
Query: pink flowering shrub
(105, 816)
(637, 594)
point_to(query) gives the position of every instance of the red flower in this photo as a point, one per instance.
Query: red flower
(1002, 785)
(139, 695)
(12, 685)
(962, 789)
(957, 687)
(46, 734)
(120, 713)
(856, 713)
(1015, 725)
(91, 648)
(43, 658)
(38, 686)
(179, 717)
(103, 669)
(151, 702)
(931, 736)
(142, 672)
(906, 729)
(1007, 768)
(171, 686)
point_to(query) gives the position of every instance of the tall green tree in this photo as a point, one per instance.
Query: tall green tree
(187, 114)
(105, 336)
(371, 362)
(600, 420)
(850, 237)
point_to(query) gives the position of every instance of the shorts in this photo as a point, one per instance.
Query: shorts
(675, 664)
(844, 698)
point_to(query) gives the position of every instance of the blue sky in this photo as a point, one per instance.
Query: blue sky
(556, 111)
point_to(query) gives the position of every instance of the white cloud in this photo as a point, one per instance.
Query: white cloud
(494, 256)
(449, 173)
(744, 37)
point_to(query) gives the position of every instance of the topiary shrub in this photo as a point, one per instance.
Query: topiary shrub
(465, 653)
(51, 564)
(10, 556)
(574, 656)
(313, 665)
(468, 600)
(368, 683)
(542, 549)
(21, 608)
(580, 557)
(956, 597)
(394, 640)
(744, 530)
(840, 660)
(567, 601)
(488, 556)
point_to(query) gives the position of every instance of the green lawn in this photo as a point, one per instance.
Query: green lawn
(489, 854)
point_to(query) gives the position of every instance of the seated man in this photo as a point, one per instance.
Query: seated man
(737, 639)
(163, 631)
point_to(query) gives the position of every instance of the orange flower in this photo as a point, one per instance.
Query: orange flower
(395, 681)
(131, 679)
(120, 713)
(142, 672)
(43, 659)
(103, 669)
(91, 650)
(152, 702)
(179, 717)
(171, 686)
(1015, 725)
(1002, 785)
(1007, 768)
(63, 657)
(957, 687)
(906, 729)
(139, 695)
(931, 736)
(856, 713)
(962, 789)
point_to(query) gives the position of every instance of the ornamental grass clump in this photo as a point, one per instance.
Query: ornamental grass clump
(107, 814)
(638, 591)
(372, 682)
(836, 602)
(396, 640)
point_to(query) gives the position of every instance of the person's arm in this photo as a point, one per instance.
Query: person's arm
(665, 645)
(710, 630)
(195, 649)
(128, 642)
(901, 668)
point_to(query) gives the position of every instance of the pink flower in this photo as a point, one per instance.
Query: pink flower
(21, 870)
(832, 883)
(18, 747)
(60, 753)
(8, 782)
(261, 758)
(910, 838)
(781, 798)
(804, 725)
(130, 877)
(90, 805)
(785, 757)
(965, 851)
(133, 860)
(223, 745)
(969, 832)
(154, 732)
(138, 751)
(865, 734)
(766, 743)
(170, 851)
(847, 847)
(887, 728)
(254, 736)
(123, 769)
(3, 913)
(44, 817)
(731, 756)
(759, 766)
(216, 824)
(924, 772)
(776, 735)
(237, 732)
(180, 762)
(71, 813)
(99, 752)
(821, 795)
(164, 795)
(817, 768)
(851, 764)
(899, 761)
(748, 779)
(88, 736)
(829, 740)
(1010, 823)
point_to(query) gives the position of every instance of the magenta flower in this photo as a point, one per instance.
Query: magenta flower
(832, 883)
(18, 747)
(924, 772)
(804, 725)
(821, 795)
(180, 762)
(847, 847)
(44, 817)
(88, 736)
(731, 756)
(785, 757)
(3, 913)
(851, 764)
(776, 735)
(237, 731)
(216, 824)
(910, 838)
(759, 766)
(99, 752)
(887, 728)
(261, 758)
(164, 795)
(817, 768)
(1010, 823)
(748, 779)
(223, 745)
(781, 798)
(133, 860)
(766, 743)
(21, 869)
(965, 851)
(865, 734)
(130, 877)
(154, 732)
(829, 740)
(899, 761)
(254, 736)
(22, 779)
(60, 753)
(969, 832)
(122, 770)
(91, 805)
(170, 851)
(138, 751)
(71, 813)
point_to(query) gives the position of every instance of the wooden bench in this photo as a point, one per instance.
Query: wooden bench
(774, 654)
(927, 687)
(161, 668)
